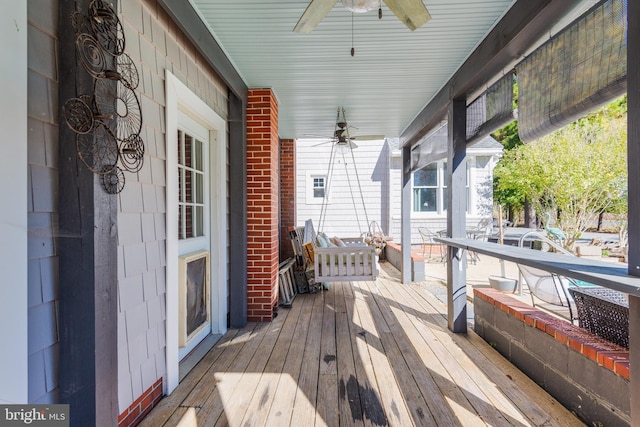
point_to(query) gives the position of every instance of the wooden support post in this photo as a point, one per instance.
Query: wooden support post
(405, 216)
(87, 251)
(633, 159)
(238, 212)
(456, 215)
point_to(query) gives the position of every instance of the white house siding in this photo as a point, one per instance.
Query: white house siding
(154, 44)
(482, 177)
(343, 218)
(42, 203)
(482, 162)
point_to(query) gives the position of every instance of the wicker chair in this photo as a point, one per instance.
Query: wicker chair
(603, 312)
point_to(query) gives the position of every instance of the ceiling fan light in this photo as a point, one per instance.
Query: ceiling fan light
(361, 6)
(343, 147)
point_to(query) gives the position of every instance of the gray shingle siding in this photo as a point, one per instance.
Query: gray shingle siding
(42, 207)
(141, 217)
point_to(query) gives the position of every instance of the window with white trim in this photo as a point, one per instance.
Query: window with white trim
(430, 188)
(427, 189)
(319, 187)
(315, 188)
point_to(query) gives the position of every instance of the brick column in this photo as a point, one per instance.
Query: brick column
(287, 195)
(262, 204)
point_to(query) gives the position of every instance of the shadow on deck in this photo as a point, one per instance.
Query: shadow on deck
(362, 353)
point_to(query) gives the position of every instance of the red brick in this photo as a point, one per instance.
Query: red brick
(589, 351)
(609, 358)
(260, 92)
(561, 337)
(575, 344)
(131, 418)
(122, 416)
(622, 369)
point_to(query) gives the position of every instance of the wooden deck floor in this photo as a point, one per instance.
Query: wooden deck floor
(363, 353)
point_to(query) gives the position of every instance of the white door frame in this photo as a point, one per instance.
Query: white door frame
(180, 97)
(14, 168)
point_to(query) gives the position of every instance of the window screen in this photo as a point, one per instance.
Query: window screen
(575, 72)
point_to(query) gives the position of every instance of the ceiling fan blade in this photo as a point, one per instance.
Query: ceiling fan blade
(313, 14)
(367, 137)
(322, 143)
(413, 13)
(352, 145)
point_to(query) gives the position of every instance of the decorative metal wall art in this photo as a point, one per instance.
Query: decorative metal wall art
(108, 122)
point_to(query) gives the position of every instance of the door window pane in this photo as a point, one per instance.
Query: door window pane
(191, 186)
(199, 221)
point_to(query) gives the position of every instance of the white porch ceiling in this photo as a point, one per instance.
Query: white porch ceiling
(393, 75)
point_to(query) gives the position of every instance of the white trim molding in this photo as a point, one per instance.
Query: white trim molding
(308, 186)
(14, 368)
(179, 98)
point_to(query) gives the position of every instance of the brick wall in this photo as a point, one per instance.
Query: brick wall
(142, 406)
(287, 195)
(262, 204)
(585, 373)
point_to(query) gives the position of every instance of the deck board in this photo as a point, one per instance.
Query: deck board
(460, 369)
(370, 353)
(265, 393)
(285, 392)
(247, 383)
(304, 405)
(213, 406)
(418, 347)
(418, 360)
(372, 410)
(541, 410)
(327, 403)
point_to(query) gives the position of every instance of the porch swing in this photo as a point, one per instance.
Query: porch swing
(344, 259)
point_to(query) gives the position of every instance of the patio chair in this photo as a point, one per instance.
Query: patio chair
(481, 231)
(427, 237)
(550, 288)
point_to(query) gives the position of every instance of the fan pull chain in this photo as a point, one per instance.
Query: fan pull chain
(353, 50)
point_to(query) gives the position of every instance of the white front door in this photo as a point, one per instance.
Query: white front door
(196, 223)
(194, 235)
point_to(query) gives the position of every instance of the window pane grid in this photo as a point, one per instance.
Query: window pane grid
(190, 187)
(430, 188)
(319, 186)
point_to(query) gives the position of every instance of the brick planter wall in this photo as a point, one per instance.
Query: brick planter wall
(586, 374)
(262, 204)
(393, 254)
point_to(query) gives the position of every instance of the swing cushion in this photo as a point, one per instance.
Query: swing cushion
(338, 242)
(324, 241)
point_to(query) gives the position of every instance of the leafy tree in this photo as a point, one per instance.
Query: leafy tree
(575, 173)
(508, 135)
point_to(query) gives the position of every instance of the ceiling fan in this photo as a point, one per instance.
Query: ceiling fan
(413, 13)
(342, 138)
